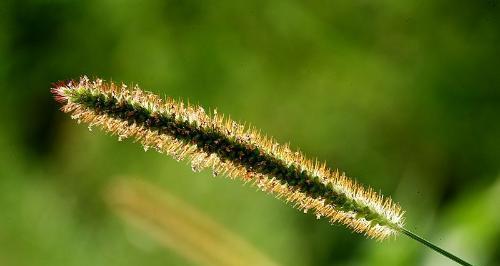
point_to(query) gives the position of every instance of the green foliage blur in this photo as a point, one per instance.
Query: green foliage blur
(404, 96)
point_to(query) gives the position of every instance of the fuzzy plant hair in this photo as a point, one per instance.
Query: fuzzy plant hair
(209, 140)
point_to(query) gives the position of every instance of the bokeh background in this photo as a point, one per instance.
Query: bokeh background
(404, 96)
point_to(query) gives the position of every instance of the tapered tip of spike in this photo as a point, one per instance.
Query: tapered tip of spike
(57, 91)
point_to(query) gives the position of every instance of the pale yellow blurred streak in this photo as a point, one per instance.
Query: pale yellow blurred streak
(179, 226)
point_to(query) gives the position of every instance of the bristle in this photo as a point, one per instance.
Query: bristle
(185, 131)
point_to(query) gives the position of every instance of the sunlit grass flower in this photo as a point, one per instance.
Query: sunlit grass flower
(186, 131)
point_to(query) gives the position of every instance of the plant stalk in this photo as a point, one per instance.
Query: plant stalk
(434, 247)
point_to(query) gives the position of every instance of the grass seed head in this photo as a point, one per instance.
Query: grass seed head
(186, 131)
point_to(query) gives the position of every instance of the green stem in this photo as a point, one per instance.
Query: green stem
(435, 248)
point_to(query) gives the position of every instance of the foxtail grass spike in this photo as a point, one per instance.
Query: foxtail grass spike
(209, 140)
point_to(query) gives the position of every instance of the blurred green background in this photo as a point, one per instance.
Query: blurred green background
(404, 96)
